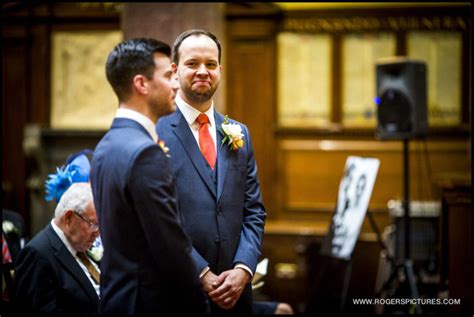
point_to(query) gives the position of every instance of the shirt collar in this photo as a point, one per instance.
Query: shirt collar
(190, 113)
(143, 120)
(63, 238)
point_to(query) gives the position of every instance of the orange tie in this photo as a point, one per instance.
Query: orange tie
(205, 140)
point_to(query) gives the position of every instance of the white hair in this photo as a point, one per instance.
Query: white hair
(75, 198)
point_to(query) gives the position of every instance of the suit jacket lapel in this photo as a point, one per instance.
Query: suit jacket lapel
(183, 132)
(222, 155)
(70, 264)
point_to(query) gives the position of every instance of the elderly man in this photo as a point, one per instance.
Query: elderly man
(53, 273)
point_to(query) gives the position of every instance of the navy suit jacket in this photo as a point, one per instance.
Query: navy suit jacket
(223, 215)
(49, 280)
(146, 266)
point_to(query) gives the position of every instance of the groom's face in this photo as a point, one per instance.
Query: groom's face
(162, 87)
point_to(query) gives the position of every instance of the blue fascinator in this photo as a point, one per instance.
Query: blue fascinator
(76, 170)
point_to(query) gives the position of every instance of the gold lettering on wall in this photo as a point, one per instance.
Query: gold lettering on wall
(81, 97)
(357, 23)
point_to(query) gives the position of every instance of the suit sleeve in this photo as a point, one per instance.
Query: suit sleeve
(199, 261)
(34, 285)
(154, 196)
(254, 214)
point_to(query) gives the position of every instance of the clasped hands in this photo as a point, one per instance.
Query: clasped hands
(225, 289)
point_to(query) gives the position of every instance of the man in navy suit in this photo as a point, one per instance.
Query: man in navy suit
(50, 277)
(219, 195)
(147, 265)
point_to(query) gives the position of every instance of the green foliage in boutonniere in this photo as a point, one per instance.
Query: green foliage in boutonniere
(233, 135)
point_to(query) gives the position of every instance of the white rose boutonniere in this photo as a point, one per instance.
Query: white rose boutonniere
(10, 229)
(96, 250)
(233, 135)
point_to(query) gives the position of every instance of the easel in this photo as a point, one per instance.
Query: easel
(329, 292)
(331, 284)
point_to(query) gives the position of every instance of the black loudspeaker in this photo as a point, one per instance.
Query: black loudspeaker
(401, 99)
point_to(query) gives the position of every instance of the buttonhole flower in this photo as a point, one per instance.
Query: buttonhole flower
(96, 250)
(163, 146)
(233, 136)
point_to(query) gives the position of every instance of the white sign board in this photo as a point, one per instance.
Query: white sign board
(355, 190)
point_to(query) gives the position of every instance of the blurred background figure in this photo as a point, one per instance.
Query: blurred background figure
(13, 228)
(13, 240)
(266, 307)
(53, 273)
(272, 308)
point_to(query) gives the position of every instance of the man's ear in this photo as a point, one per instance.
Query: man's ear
(174, 67)
(68, 215)
(140, 84)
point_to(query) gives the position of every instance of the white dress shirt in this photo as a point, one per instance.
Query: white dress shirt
(191, 114)
(143, 120)
(73, 252)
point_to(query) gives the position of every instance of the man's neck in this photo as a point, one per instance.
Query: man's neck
(201, 107)
(143, 109)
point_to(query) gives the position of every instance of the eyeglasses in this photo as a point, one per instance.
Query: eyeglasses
(92, 226)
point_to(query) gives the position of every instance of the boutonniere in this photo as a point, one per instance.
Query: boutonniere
(96, 250)
(163, 146)
(233, 135)
(10, 229)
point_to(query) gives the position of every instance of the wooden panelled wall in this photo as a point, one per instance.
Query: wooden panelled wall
(300, 169)
(26, 49)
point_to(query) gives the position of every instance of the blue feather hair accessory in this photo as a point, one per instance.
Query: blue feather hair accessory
(76, 170)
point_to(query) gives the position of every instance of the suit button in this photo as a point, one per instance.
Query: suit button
(216, 239)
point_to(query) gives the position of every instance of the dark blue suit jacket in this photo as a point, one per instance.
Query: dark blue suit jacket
(223, 215)
(146, 266)
(49, 280)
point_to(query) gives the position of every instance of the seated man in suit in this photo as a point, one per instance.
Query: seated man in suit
(13, 228)
(53, 275)
(13, 240)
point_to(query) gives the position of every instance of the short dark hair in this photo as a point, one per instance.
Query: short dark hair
(130, 58)
(179, 40)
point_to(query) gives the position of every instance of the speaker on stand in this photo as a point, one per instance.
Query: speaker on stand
(402, 115)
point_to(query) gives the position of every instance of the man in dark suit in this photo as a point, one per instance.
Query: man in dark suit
(50, 276)
(147, 265)
(13, 227)
(219, 195)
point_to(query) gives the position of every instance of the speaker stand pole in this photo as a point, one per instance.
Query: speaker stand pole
(408, 264)
(406, 197)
